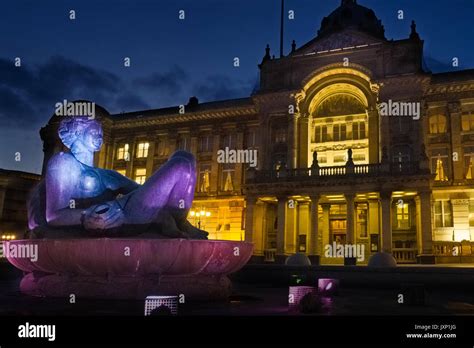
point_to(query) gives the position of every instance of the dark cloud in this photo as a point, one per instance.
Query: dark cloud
(165, 83)
(13, 105)
(219, 87)
(28, 94)
(127, 102)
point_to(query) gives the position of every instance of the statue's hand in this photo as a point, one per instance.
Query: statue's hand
(103, 216)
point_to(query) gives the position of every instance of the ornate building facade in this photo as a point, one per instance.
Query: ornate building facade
(357, 143)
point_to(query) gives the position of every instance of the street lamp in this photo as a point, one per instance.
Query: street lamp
(198, 215)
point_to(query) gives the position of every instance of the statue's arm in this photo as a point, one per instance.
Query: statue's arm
(117, 182)
(62, 178)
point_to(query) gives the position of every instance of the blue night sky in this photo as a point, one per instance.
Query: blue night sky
(171, 59)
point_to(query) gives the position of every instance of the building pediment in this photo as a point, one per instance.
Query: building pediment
(347, 39)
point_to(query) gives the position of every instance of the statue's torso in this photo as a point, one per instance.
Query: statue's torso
(92, 187)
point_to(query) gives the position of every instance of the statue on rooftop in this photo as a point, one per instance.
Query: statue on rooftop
(76, 199)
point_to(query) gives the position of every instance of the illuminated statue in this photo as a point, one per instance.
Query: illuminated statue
(76, 199)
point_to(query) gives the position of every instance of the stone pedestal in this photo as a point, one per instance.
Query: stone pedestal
(194, 288)
(129, 268)
(427, 259)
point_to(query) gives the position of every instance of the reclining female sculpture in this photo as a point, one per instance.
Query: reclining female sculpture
(75, 199)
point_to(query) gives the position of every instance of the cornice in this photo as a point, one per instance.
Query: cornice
(187, 117)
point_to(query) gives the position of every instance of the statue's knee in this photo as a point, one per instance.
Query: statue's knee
(184, 156)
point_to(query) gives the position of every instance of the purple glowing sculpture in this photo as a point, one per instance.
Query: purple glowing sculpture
(77, 199)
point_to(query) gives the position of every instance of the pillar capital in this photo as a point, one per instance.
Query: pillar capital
(281, 198)
(349, 196)
(251, 199)
(386, 195)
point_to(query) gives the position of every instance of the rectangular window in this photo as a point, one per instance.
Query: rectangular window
(355, 131)
(440, 164)
(162, 149)
(140, 175)
(358, 130)
(443, 214)
(343, 132)
(467, 121)
(205, 143)
(362, 130)
(469, 162)
(361, 219)
(184, 143)
(227, 177)
(204, 183)
(252, 139)
(318, 135)
(121, 171)
(325, 136)
(335, 132)
(122, 153)
(437, 124)
(229, 141)
(280, 135)
(403, 216)
(142, 150)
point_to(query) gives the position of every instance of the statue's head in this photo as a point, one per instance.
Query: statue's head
(76, 131)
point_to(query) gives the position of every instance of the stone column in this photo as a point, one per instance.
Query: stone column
(373, 135)
(239, 168)
(259, 227)
(291, 226)
(304, 124)
(454, 109)
(325, 227)
(112, 156)
(293, 140)
(313, 232)
(350, 233)
(374, 220)
(250, 202)
(150, 160)
(131, 156)
(426, 229)
(386, 205)
(214, 175)
(281, 228)
(314, 221)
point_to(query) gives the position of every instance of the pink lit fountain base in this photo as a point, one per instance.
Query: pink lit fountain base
(129, 268)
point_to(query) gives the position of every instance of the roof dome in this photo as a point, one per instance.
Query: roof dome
(352, 15)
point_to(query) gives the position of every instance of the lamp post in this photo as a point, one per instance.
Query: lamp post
(198, 215)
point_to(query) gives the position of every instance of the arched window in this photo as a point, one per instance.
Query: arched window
(437, 124)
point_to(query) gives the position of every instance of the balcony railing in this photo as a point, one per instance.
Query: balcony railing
(374, 169)
(404, 255)
(442, 248)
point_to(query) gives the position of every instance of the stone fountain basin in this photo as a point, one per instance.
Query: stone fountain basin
(133, 257)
